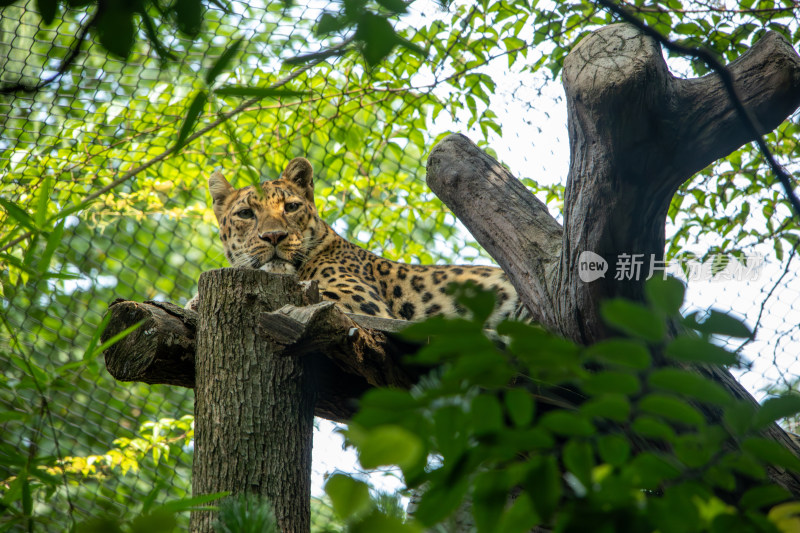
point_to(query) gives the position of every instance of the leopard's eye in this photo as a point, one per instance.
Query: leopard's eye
(292, 207)
(245, 213)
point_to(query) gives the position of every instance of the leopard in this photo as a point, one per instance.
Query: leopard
(278, 229)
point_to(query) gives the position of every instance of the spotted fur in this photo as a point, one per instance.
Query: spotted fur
(278, 230)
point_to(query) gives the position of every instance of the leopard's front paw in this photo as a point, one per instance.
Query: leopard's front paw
(191, 305)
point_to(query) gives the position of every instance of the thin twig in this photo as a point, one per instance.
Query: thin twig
(764, 302)
(66, 63)
(714, 64)
(338, 50)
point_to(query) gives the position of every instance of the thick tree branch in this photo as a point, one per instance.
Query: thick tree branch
(521, 235)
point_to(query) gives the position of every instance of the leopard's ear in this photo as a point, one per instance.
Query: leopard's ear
(300, 172)
(220, 190)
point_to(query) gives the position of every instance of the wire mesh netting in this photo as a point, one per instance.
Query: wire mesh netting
(114, 210)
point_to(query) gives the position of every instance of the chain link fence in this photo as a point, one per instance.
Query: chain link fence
(98, 143)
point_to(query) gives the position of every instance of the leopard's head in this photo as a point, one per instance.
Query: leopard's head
(272, 229)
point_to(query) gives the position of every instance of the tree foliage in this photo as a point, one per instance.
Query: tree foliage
(549, 433)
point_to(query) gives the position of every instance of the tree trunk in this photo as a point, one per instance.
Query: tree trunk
(636, 134)
(254, 404)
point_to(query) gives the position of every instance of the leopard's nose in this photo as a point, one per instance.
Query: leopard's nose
(273, 236)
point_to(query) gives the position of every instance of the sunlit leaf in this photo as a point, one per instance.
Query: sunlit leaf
(348, 496)
(192, 114)
(634, 319)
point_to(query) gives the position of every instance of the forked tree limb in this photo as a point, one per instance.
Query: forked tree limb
(636, 134)
(521, 234)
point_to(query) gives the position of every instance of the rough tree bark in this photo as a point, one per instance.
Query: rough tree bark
(254, 403)
(636, 134)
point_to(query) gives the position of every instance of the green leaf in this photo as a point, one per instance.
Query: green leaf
(377, 521)
(48, 9)
(620, 352)
(767, 495)
(116, 29)
(192, 114)
(189, 16)
(490, 496)
(568, 423)
(689, 384)
(520, 407)
(695, 450)
(348, 496)
(27, 501)
(153, 36)
(520, 517)
(222, 62)
(53, 241)
(671, 408)
(615, 407)
(777, 408)
(389, 445)
(486, 414)
(544, 486)
(29, 366)
(478, 300)
(739, 417)
(578, 458)
(384, 398)
(44, 201)
(92, 352)
(377, 36)
(634, 319)
(770, 452)
(155, 521)
(20, 215)
(257, 92)
(184, 504)
(611, 382)
(613, 449)
(718, 323)
(694, 350)
(330, 24)
(396, 6)
(687, 28)
(666, 295)
(649, 470)
(440, 501)
(744, 463)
